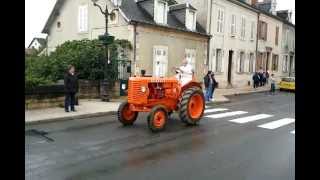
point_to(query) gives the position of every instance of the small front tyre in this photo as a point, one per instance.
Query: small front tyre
(125, 115)
(157, 118)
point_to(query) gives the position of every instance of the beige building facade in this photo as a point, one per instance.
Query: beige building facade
(157, 46)
(244, 40)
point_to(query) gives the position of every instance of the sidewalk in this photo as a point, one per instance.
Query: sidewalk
(96, 107)
(86, 108)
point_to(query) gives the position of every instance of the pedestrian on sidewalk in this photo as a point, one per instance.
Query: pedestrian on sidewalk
(256, 80)
(208, 84)
(214, 85)
(267, 77)
(273, 85)
(71, 88)
(264, 78)
(260, 74)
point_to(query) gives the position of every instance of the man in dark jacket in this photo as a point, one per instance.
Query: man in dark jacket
(71, 88)
(208, 84)
(255, 79)
(214, 85)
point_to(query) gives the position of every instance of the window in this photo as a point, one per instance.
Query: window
(219, 60)
(58, 24)
(241, 62)
(161, 12)
(275, 58)
(191, 57)
(220, 21)
(251, 64)
(191, 20)
(277, 36)
(243, 28)
(160, 61)
(113, 18)
(263, 30)
(233, 25)
(285, 67)
(83, 18)
(252, 30)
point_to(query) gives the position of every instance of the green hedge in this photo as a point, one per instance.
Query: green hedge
(88, 56)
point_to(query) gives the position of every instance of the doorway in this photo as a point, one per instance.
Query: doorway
(230, 67)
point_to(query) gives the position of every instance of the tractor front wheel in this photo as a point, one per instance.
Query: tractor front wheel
(157, 118)
(125, 115)
(192, 106)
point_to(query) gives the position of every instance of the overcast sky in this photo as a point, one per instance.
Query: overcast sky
(38, 11)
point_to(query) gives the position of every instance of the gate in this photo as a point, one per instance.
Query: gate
(124, 72)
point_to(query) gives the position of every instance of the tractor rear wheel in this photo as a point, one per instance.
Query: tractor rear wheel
(157, 118)
(125, 115)
(192, 106)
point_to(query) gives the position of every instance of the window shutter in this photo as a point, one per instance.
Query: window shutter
(80, 18)
(218, 21)
(222, 20)
(85, 18)
(266, 31)
(238, 63)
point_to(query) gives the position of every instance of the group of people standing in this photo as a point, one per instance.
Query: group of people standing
(210, 84)
(262, 78)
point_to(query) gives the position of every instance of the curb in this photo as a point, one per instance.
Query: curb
(82, 116)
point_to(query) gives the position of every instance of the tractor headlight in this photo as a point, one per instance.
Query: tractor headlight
(143, 89)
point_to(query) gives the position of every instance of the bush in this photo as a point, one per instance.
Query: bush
(88, 56)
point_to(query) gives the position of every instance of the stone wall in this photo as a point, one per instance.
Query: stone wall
(87, 90)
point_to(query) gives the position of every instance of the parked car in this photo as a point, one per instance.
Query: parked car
(287, 83)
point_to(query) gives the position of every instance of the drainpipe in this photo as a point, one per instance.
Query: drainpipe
(208, 47)
(257, 39)
(134, 45)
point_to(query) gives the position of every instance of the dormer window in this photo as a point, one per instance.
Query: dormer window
(161, 12)
(191, 20)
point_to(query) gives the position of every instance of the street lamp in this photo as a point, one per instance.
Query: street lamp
(106, 38)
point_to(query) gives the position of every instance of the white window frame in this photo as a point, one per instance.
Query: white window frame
(161, 18)
(191, 19)
(243, 28)
(165, 61)
(218, 61)
(83, 18)
(220, 21)
(191, 60)
(251, 62)
(285, 63)
(233, 25)
(277, 62)
(242, 62)
(252, 30)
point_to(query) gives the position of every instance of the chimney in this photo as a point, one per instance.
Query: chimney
(273, 7)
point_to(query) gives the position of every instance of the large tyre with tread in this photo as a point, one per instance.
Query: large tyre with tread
(125, 115)
(192, 106)
(157, 118)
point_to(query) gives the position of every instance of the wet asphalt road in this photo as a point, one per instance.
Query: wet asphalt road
(100, 148)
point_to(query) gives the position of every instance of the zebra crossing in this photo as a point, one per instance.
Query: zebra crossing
(226, 113)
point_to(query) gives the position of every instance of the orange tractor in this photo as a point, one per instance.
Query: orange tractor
(160, 97)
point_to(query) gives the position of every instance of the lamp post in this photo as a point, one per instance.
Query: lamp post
(106, 41)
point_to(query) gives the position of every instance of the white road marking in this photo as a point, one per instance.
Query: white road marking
(293, 132)
(214, 110)
(277, 124)
(227, 114)
(251, 118)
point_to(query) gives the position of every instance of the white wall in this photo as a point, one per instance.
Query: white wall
(225, 42)
(96, 24)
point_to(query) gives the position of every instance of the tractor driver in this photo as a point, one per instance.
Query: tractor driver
(184, 72)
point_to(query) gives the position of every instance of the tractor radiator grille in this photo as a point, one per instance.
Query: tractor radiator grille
(135, 95)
